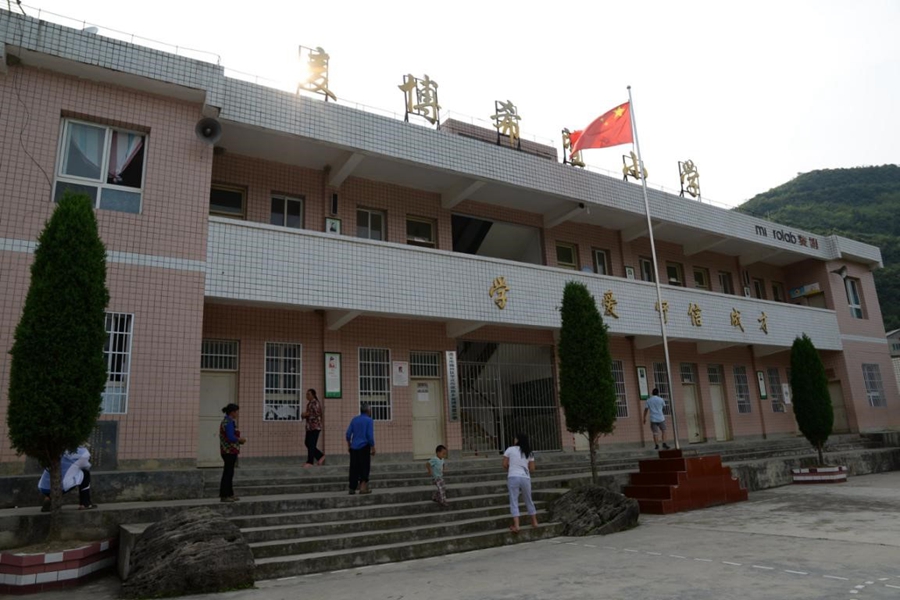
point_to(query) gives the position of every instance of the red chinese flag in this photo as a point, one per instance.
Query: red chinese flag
(610, 129)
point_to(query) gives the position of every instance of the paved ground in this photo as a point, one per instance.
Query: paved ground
(801, 542)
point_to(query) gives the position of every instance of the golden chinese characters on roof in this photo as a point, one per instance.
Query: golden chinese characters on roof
(421, 98)
(630, 167)
(690, 178)
(506, 120)
(573, 159)
(316, 79)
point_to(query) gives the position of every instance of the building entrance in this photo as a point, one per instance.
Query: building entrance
(506, 389)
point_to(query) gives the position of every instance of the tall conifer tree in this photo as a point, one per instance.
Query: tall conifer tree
(809, 390)
(58, 368)
(587, 390)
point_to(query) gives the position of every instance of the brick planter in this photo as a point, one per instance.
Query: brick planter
(30, 573)
(820, 475)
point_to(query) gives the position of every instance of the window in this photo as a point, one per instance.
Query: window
(661, 379)
(742, 390)
(420, 232)
(618, 372)
(778, 292)
(566, 256)
(601, 262)
(874, 389)
(646, 266)
(287, 212)
(853, 297)
(759, 289)
(375, 382)
(105, 163)
(726, 283)
(226, 201)
(283, 382)
(370, 224)
(775, 390)
(895, 347)
(714, 373)
(425, 365)
(219, 355)
(674, 273)
(688, 373)
(117, 351)
(701, 278)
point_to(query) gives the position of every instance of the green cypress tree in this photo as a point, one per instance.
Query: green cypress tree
(587, 390)
(58, 368)
(809, 389)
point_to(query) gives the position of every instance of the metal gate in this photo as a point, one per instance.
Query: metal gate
(507, 389)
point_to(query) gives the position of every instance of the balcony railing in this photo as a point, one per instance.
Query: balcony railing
(258, 263)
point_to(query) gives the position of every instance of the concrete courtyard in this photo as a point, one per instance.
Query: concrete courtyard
(815, 542)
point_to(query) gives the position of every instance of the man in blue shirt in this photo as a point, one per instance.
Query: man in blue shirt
(361, 444)
(655, 406)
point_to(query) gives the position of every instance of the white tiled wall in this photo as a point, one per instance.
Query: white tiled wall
(260, 263)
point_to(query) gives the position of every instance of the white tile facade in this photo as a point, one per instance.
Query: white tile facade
(254, 262)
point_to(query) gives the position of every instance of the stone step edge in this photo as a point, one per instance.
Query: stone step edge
(431, 526)
(404, 517)
(550, 527)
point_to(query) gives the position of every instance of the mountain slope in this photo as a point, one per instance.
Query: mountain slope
(861, 203)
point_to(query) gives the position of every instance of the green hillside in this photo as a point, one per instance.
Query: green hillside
(862, 203)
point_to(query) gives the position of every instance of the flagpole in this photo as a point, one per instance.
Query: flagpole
(662, 320)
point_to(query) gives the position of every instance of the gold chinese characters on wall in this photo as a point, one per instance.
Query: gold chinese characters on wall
(609, 304)
(499, 290)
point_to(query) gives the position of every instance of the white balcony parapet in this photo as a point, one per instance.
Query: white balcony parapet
(256, 263)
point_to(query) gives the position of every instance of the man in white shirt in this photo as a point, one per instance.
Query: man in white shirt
(655, 406)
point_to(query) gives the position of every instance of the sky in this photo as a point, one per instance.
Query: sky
(753, 92)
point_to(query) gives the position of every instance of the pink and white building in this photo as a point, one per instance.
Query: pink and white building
(314, 230)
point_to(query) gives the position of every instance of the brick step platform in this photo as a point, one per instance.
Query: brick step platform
(675, 483)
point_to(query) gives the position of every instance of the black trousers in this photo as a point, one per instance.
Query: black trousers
(226, 488)
(312, 451)
(360, 461)
(84, 489)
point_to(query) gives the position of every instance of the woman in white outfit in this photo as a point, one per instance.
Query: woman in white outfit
(518, 460)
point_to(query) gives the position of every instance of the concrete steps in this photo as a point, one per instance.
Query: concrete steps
(388, 525)
(300, 521)
(333, 560)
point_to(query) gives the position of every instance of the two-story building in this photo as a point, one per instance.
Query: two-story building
(378, 261)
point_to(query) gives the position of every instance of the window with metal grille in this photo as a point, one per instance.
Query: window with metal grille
(688, 373)
(219, 355)
(775, 390)
(742, 390)
(714, 373)
(425, 365)
(283, 382)
(874, 389)
(118, 362)
(661, 380)
(375, 382)
(618, 371)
